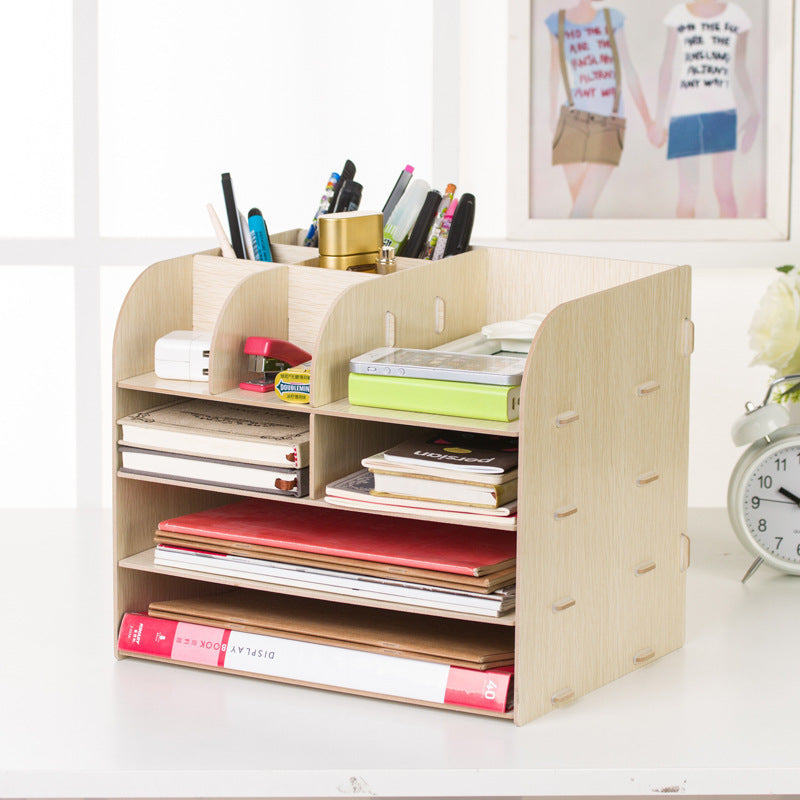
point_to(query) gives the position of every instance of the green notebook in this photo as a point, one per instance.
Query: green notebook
(451, 398)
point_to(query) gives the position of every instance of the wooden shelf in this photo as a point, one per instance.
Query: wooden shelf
(586, 435)
(342, 408)
(144, 561)
(149, 382)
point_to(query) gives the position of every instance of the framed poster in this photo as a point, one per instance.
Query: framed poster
(647, 121)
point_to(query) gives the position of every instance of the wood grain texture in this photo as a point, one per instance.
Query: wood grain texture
(256, 306)
(356, 323)
(602, 550)
(590, 355)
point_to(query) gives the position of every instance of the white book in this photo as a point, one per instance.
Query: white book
(215, 472)
(429, 488)
(206, 428)
(381, 462)
(343, 583)
(354, 491)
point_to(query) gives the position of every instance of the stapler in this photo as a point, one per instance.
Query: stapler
(268, 357)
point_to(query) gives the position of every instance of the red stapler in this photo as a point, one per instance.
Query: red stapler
(268, 357)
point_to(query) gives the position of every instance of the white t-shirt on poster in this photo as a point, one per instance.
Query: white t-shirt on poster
(590, 61)
(706, 52)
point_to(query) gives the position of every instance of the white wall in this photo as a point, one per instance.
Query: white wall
(728, 279)
(168, 95)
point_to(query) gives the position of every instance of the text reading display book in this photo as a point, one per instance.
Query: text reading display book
(598, 556)
(315, 664)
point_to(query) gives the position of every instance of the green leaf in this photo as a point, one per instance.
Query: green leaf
(786, 268)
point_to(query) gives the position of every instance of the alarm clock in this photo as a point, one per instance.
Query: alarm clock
(764, 490)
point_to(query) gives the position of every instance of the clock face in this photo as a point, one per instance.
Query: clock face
(770, 502)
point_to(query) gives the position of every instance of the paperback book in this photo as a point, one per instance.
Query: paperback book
(356, 491)
(205, 428)
(315, 664)
(334, 532)
(459, 451)
(331, 581)
(214, 472)
(450, 641)
(447, 580)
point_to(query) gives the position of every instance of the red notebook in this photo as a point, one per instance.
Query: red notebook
(461, 549)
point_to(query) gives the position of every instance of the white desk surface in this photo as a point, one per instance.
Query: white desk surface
(718, 717)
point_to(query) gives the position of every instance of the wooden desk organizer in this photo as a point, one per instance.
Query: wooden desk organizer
(603, 429)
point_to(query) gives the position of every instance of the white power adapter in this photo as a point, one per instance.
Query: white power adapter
(183, 355)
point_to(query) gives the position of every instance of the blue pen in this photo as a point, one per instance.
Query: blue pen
(259, 235)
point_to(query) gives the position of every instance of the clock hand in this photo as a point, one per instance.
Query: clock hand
(786, 493)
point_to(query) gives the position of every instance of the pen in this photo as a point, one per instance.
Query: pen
(325, 201)
(416, 239)
(219, 231)
(248, 243)
(234, 223)
(441, 241)
(461, 226)
(433, 233)
(347, 174)
(404, 215)
(397, 191)
(259, 235)
(349, 197)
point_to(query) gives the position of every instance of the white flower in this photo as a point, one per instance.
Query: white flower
(775, 329)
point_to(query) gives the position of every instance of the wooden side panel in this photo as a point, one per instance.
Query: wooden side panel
(521, 281)
(256, 306)
(159, 301)
(603, 488)
(357, 323)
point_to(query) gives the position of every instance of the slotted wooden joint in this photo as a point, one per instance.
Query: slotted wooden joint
(389, 328)
(644, 568)
(686, 552)
(566, 418)
(563, 696)
(565, 511)
(646, 477)
(563, 604)
(688, 337)
(643, 656)
(643, 389)
(438, 314)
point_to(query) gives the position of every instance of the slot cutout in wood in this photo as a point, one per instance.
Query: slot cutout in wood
(686, 552)
(562, 697)
(566, 418)
(389, 328)
(643, 389)
(565, 511)
(644, 568)
(643, 656)
(563, 604)
(438, 314)
(646, 477)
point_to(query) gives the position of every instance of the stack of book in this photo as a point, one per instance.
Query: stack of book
(417, 564)
(318, 621)
(218, 444)
(368, 650)
(447, 475)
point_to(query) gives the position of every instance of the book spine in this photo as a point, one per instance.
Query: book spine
(450, 398)
(338, 667)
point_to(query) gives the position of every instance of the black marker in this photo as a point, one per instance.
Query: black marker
(419, 233)
(461, 226)
(347, 174)
(234, 222)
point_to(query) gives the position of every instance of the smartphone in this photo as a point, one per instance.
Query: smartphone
(440, 365)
